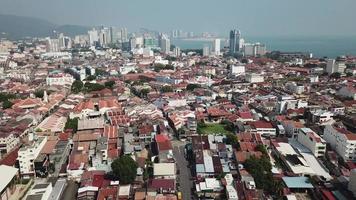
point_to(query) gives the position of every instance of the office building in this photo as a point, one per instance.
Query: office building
(216, 47)
(93, 36)
(165, 44)
(206, 51)
(176, 52)
(333, 66)
(124, 35)
(234, 42)
(52, 45)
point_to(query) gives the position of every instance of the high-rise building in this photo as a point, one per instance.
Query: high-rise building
(333, 66)
(103, 38)
(52, 45)
(114, 34)
(124, 35)
(235, 37)
(93, 36)
(216, 47)
(256, 49)
(206, 51)
(176, 52)
(165, 44)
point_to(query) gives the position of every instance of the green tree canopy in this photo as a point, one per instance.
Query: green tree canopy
(166, 88)
(72, 124)
(89, 87)
(232, 140)
(335, 75)
(7, 104)
(191, 87)
(125, 168)
(109, 84)
(77, 86)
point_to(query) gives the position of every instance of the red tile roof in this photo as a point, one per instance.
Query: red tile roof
(108, 193)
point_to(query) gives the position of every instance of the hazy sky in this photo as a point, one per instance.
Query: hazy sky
(252, 17)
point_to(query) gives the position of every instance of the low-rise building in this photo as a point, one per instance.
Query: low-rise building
(312, 141)
(28, 153)
(342, 141)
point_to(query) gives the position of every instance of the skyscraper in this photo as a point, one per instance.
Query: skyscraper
(164, 43)
(93, 36)
(124, 35)
(234, 41)
(206, 50)
(216, 47)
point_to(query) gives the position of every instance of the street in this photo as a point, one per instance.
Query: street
(183, 178)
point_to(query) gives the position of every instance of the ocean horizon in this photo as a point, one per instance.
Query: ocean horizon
(323, 46)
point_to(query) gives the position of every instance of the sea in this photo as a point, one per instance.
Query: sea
(323, 46)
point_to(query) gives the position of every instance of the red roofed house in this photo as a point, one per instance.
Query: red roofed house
(164, 147)
(263, 128)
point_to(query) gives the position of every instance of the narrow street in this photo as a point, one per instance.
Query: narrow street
(184, 177)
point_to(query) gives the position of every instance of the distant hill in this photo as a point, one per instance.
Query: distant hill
(17, 27)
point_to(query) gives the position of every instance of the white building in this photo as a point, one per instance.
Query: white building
(342, 141)
(237, 70)
(176, 52)
(93, 36)
(52, 45)
(312, 141)
(322, 117)
(59, 79)
(295, 88)
(27, 154)
(206, 51)
(164, 170)
(333, 66)
(40, 191)
(254, 78)
(8, 142)
(127, 68)
(263, 128)
(165, 44)
(216, 47)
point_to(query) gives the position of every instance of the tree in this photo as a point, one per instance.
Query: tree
(7, 104)
(349, 74)
(39, 93)
(228, 125)
(77, 86)
(191, 87)
(109, 84)
(89, 87)
(72, 124)
(232, 140)
(125, 168)
(144, 92)
(91, 78)
(262, 149)
(335, 75)
(166, 88)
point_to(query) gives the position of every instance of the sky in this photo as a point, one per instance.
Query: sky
(252, 17)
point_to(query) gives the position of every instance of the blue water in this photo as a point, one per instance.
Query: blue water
(320, 46)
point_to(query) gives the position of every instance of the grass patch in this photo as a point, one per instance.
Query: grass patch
(212, 129)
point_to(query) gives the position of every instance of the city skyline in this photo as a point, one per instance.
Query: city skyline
(268, 18)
